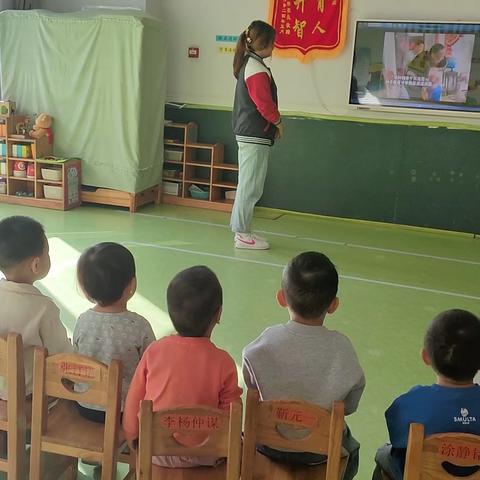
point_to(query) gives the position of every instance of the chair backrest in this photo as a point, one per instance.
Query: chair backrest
(198, 431)
(292, 425)
(55, 375)
(13, 410)
(442, 456)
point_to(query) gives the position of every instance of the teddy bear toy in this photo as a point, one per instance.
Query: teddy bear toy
(42, 127)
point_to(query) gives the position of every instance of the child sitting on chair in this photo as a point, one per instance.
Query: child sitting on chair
(304, 360)
(452, 404)
(106, 274)
(25, 259)
(185, 369)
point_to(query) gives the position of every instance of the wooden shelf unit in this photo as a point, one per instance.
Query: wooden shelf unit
(32, 187)
(202, 164)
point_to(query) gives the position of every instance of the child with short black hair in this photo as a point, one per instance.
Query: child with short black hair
(106, 275)
(25, 259)
(452, 404)
(302, 359)
(194, 299)
(185, 369)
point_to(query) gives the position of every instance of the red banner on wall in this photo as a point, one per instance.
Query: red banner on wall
(309, 29)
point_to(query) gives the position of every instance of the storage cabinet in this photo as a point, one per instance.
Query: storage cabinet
(189, 164)
(29, 175)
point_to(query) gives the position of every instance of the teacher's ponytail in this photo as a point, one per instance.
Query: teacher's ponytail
(258, 36)
(240, 51)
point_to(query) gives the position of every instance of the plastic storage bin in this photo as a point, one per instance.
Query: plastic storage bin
(198, 193)
(52, 192)
(53, 174)
(173, 155)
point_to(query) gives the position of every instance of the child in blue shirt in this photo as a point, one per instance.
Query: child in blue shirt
(452, 404)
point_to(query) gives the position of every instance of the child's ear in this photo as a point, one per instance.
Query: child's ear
(132, 286)
(218, 315)
(426, 358)
(333, 306)
(35, 265)
(282, 301)
(130, 289)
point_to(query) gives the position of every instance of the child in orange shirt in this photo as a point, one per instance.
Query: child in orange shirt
(185, 369)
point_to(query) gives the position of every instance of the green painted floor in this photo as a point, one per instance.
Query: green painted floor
(394, 280)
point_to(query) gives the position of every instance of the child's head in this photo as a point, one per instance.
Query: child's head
(259, 38)
(24, 256)
(309, 286)
(194, 299)
(106, 273)
(451, 345)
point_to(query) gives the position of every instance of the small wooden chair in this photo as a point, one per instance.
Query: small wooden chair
(294, 426)
(441, 456)
(62, 430)
(197, 431)
(13, 411)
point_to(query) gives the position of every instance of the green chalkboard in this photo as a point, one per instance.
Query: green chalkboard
(402, 174)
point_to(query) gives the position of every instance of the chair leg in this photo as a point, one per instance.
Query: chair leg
(72, 470)
(35, 462)
(109, 469)
(3, 445)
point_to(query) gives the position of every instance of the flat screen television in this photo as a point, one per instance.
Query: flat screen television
(433, 66)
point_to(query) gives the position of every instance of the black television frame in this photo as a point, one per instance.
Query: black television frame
(454, 111)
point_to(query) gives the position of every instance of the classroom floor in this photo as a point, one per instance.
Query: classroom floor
(394, 280)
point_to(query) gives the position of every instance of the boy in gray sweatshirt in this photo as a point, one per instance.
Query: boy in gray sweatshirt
(302, 359)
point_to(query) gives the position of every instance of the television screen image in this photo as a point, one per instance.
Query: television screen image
(417, 65)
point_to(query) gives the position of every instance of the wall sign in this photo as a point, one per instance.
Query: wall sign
(309, 29)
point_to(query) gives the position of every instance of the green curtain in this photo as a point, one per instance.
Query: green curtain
(102, 76)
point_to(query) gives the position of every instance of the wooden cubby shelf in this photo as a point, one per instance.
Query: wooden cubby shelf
(226, 166)
(198, 181)
(22, 181)
(196, 163)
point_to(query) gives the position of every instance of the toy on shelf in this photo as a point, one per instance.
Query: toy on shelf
(43, 127)
(19, 169)
(22, 193)
(30, 170)
(21, 151)
(22, 129)
(7, 108)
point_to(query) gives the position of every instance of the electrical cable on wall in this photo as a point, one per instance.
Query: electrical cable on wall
(317, 91)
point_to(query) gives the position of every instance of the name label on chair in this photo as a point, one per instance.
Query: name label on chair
(203, 423)
(295, 416)
(459, 450)
(79, 371)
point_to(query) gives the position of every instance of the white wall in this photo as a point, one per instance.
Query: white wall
(75, 5)
(153, 7)
(319, 87)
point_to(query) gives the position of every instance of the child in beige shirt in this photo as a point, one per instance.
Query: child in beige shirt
(24, 259)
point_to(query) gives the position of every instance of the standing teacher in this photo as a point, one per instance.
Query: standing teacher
(256, 124)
